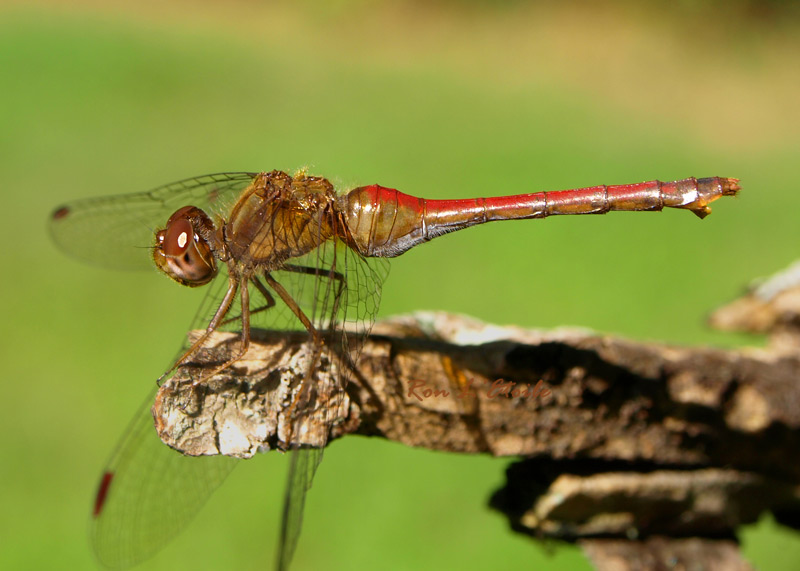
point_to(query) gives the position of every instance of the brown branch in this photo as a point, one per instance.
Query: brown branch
(665, 553)
(630, 447)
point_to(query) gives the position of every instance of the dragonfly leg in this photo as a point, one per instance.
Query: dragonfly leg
(330, 275)
(265, 294)
(315, 337)
(221, 312)
(313, 271)
(292, 304)
(343, 358)
(244, 297)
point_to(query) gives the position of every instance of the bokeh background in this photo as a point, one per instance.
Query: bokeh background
(442, 99)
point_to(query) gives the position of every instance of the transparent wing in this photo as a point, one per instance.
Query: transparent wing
(149, 493)
(341, 296)
(337, 289)
(302, 467)
(117, 231)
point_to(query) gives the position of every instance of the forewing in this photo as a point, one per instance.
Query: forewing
(118, 231)
(149, 492)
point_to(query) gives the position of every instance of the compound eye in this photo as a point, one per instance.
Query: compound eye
(181, 253)
(178, 237)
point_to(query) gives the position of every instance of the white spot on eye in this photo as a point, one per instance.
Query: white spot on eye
(182, 239)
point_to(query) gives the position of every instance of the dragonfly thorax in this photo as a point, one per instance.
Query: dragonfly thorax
(279, 217)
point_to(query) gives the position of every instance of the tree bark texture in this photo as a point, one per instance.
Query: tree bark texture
(647, 455)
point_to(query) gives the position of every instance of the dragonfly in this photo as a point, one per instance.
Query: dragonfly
(284, 253)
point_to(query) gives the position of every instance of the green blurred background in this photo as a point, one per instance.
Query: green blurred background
(439, 100)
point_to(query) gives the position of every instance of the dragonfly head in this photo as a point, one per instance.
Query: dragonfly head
(182, 253)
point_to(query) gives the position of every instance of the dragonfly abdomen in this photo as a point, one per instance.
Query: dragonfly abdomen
(385, 222)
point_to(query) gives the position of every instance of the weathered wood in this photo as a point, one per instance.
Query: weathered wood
(600, 397)
(629, 447)
(665, 553)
